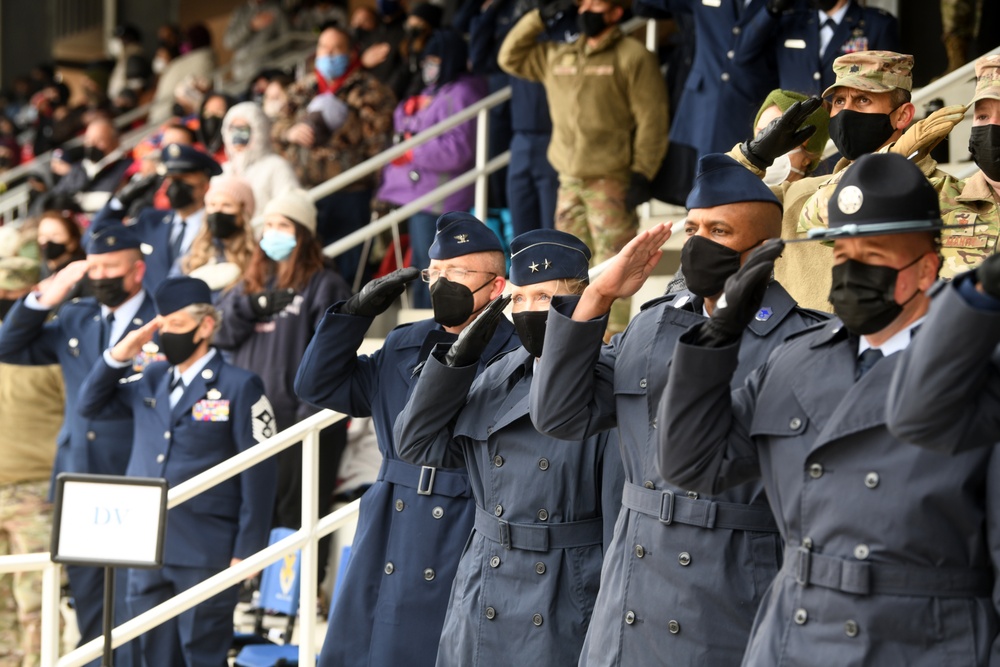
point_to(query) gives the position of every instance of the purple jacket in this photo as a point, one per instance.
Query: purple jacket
(440, 159)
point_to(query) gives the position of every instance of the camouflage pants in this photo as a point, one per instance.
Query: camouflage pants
(961, 17)
(594, 211)
(25, 527)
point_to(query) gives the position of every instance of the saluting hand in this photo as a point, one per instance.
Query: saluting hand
(781, 135)
(926, 133)
(62, 283)
(472, 342)
(376, 296)
(132, 343)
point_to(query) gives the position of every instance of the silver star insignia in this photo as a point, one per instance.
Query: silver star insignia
(547, 264)
(534, 267)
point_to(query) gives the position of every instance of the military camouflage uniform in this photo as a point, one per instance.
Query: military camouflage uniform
(959, 26)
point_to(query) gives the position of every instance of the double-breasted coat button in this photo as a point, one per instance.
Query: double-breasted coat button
(736, 30)
(794, 423)
(648, 485)
(851, 628)
(730, 54)
(807, 542)
(429, 574)
(816, 470)
(160, 458)
(817, 76)
(498, 510)
(389, 568)
(693, 495)
(630, 617)
(639, 551)
(861, 551)
(801, 616)
(491, 613)
(498, 461)
(537, 619)
(684, 558)
(725, 76)
(91, 436)
(166, 435)
(642, 383)
(495, 561)
(539, 567)
(871, 480)
(400, 504)
(543, 514)
(674, 627)
(437, 512)
(543, 464)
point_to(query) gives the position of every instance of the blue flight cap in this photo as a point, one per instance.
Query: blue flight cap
(722, 180)
(460, 233)
(181, 159)
(547, 254)
(180, 292)
(111, 236)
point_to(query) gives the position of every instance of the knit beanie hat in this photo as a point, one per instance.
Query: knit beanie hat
(235, 187)
(297, 206)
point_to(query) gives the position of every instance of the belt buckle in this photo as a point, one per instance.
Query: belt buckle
(504, 533)
(666, 508)
(803, 566)
(425, 486)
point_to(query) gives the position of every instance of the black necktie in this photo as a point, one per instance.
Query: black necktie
(831, 24)
(177, 382)
(178, 242)
(867, 359)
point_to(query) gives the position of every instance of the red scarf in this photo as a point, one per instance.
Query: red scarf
(324, 86)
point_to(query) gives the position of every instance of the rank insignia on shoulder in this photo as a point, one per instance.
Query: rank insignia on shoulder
(210, 411)
(764, 314)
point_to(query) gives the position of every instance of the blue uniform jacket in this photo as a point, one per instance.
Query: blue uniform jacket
(392, 604)
(221, 413)
(793, 40)
(98, 444)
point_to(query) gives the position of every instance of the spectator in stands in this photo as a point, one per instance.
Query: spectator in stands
(198, 60)
(221, 252)
(448, 88)
(377, 41)
(268, 320)
(93, 179)
(10, 150)
(312, 15)
(275, 101)
(60, 242)
(55, 121)
(246, 134)
(125, 47)
(252, 26)
(147, 187)
(31, 405)
(210, 116)
(423, 19)
(210, 412)
(366, 132)
(609, 127)
(802, 161)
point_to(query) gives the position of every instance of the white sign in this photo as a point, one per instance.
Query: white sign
(103, 520)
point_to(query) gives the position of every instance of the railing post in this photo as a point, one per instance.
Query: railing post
(651, 35)
(50, 615)
(310, 550)
(482, 156)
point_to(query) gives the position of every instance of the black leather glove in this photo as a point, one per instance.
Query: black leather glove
(781, 134)
(639, 191)
(376, 297)
(777, 7)
(742, 297)
(136, 188)
(474, 338)
(266, 304)
(554, 10)
(988, 275)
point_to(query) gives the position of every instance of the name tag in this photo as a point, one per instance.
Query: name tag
(712, 3)
(564, 70)
(211, 411)
(599, 70)
(795, 43)
(966, 241)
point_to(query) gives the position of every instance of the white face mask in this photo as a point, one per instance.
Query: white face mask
(780, 169)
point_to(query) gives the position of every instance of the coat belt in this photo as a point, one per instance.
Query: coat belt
(427, 480)
(866, 578)
(669, 507)
(539, 536)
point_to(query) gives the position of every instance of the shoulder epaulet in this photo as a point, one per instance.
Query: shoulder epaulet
(820, 316)
(810, 329)
(131, 378)
(666, 298)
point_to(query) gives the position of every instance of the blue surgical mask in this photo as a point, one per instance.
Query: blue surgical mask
(332, 67)
(277, 245)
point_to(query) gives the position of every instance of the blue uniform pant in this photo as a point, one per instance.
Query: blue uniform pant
(200, 637)
(532, 183)
(87, 585)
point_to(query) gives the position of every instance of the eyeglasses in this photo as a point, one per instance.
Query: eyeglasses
(454, 274)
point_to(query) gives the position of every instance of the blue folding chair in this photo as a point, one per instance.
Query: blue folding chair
(279, 592)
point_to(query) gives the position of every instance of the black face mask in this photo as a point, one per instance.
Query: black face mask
(707, 264)
(453, 303)
(211, 128)
(530, 327)
(855, 133)
(93, 153)
(984, 144)
(178, 347)
(180, 194)
(822, 5)
(109, 291)
(863, 295)
(591, 24)
(221, 225)
(5, 306)
(360, 34)
(51, 250)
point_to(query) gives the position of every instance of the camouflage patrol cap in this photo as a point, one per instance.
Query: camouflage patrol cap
(987, 78)
(18, 273)
(873, 71)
